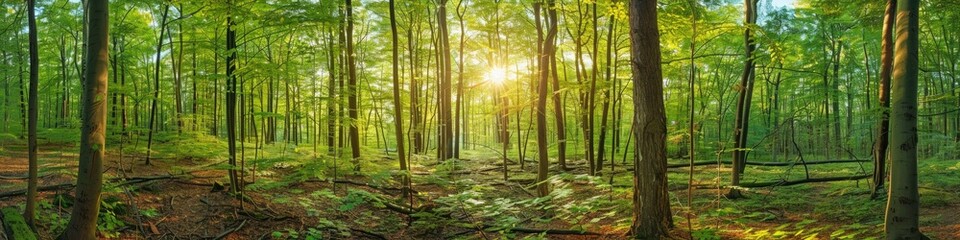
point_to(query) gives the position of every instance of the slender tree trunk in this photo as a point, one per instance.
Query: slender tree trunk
(605, 108)
(83, 220)
(460, 91)
(156, 83)
(231, 107)
(332, 98)
(446, 118)
(903, 204)
(886, 67)
(652, 218)
(547, 54)
(352, 90)
(397, 103)
(30, 211)
(558, 113)
(742, 121)
(592, 95)
(177, 63)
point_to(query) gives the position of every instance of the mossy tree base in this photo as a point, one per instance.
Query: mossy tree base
(15, 226)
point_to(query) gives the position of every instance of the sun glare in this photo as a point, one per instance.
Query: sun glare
(495, 76)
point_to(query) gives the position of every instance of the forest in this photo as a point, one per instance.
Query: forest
(480, 119)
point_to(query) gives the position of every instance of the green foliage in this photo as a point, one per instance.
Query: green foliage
(17, 226)
(705, 234)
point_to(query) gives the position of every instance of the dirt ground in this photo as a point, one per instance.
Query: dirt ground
(189, 207)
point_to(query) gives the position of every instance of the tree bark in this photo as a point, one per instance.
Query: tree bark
(397, 103)
(83, 220)
(352, 91)
(903, 203)
(156, 83)
(742, 121)
(446, 119)
(886, 66)
(652, 218)
(31, 205)
(231, 103)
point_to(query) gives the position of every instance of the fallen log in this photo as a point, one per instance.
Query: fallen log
(767, 164)
(62, 186)
(777, 183)
(15, 226)
(68, 186)
(802, 181)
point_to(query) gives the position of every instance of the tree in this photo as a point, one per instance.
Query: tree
(156, 82)
(83, 219)
(446, 118)
(742, 120)
(903, 204)
(652, 218)
(398, 105)
(547, 53)
(886, 66)
(30, 211)
(231, 102)
(352, 90)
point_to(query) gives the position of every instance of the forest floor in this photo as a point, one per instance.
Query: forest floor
(179, 197)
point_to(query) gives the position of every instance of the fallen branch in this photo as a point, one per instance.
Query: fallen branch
(229, 231)
(546, 231)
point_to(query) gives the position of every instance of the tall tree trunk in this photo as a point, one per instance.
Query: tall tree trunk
(331, 97)
(397, 103)
(592, 95)
(835, 94)
(446, 119)
(177, 63)
(558, 114)
(456, 121)
(415, 114)
(30, 211)
(742, 121)
(231, 103)
(605, 108)
(652, 218)
(903, 204)
(83, 220)
(886, 67)
(156, 83)
(352, 90)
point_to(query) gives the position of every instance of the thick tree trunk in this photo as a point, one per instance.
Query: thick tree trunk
(83, 220)
(652, 218)
(903, 204)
